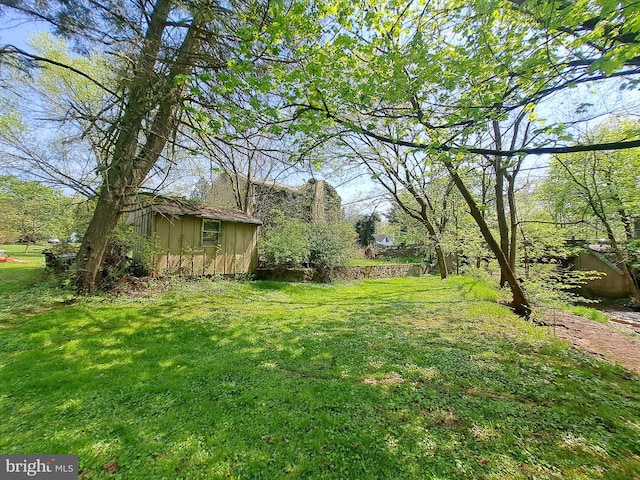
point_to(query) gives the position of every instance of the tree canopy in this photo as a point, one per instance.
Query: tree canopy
(31, 211)
(455, 85)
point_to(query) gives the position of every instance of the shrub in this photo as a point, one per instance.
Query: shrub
(332, 245)
(286, 243)
(291, 243)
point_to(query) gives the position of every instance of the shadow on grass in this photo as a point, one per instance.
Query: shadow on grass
(268, 390)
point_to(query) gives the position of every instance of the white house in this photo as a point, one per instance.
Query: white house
(383, 240)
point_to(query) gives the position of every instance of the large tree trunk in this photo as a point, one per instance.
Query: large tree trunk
(442, 263)
(131, 161)
(520, 303)
(95, 242)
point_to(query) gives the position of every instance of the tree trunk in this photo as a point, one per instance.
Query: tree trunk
(503, 227)
(513, 241)
(520, 304)
(95, 242)
(131, 161)
(442, 264)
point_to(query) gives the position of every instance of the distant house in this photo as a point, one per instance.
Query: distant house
(383, 240)
(314, 201)
(197, 239)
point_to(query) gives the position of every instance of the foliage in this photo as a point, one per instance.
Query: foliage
(292, 243)
(128, 253)
(549, 284)
(400, 378)
(366, 228)
(286, 243)
(31, 210)
(600, 189)
(406, 230)
(457, 83)
(448, 76)
(331, 244)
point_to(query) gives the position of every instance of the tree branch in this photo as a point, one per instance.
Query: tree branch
(10, 49)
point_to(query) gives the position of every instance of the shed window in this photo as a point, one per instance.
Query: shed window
(211, 232)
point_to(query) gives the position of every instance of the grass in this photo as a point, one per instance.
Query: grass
(25, 284)
(590, 313)
(402, 378)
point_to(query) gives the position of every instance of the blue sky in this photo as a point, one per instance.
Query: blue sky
(16, 31)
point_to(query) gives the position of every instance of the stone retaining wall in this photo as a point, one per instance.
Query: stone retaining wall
(341, 273)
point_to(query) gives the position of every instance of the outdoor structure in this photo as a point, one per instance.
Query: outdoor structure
(611, 285)
(196, 239)
(314, 201)
(383, 240)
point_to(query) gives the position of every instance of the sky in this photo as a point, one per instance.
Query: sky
(15, 31)
(360, 193)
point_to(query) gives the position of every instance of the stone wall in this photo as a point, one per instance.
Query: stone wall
(341, 273)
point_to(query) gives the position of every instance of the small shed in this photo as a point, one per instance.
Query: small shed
(196, 239)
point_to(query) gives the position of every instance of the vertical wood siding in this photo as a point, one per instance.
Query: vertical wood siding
(181, 251)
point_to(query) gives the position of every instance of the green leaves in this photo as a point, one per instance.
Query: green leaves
(33, 210)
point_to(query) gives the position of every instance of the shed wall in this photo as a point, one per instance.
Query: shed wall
(181, 250)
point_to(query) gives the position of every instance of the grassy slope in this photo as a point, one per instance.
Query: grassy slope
(403, 378)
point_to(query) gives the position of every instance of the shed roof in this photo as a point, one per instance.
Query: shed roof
(179, 208)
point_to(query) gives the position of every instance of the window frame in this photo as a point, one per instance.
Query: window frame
(206, 231)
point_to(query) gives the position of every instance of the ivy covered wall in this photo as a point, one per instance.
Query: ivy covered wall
(315, 201)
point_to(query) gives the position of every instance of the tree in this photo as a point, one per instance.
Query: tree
(401, 170)
(366, 228)
(46, 96)
(450, 71)
(601, 189)
(249, 148)
(158, 45)
(32, 211)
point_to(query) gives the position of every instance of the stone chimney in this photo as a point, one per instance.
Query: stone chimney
(317, 206)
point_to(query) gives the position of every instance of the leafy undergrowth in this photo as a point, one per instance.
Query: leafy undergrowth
(404, 378)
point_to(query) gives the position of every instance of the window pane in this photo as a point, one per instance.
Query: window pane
(211, 226)
(210, 232)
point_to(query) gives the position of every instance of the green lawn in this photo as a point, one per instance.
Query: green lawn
(403, 378)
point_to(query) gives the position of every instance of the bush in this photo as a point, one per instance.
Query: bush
(332, 245)
(291, 243)
(286, 244)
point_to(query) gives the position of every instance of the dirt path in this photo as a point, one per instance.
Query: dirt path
(611, 341)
